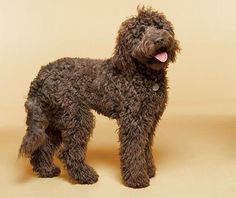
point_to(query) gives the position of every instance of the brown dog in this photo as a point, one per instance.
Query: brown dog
(130, 87)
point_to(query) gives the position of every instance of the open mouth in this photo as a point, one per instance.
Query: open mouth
(161, 55)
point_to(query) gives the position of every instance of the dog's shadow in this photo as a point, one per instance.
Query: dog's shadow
(103, 156)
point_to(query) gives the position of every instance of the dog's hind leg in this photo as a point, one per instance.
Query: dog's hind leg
(78, 123)
(42, 158)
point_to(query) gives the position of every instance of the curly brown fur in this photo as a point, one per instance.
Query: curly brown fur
(63, 94)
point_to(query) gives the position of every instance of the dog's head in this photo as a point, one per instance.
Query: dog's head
(146, 39)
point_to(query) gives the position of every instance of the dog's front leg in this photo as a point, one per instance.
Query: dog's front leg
(151, 168)
(133, 139)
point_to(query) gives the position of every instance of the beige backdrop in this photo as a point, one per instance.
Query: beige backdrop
(195, 140)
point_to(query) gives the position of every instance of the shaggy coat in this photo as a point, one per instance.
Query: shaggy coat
(130, 87)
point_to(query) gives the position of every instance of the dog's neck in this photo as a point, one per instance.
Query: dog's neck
(143, 70)
(151, 74)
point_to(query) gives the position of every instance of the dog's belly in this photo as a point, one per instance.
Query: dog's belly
(108, 107)
(110, 113)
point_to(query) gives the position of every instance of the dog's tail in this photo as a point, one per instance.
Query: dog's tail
(37, 123)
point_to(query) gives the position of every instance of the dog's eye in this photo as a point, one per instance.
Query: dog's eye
(160, 25)
(142, 28)
(139, 31)
(136, 33)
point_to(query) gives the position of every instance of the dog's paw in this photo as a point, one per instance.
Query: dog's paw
(138, 181)
(48, 172)
(85, 175)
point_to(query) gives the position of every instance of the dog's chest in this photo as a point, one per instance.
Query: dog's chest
(144, 91)
(155, 91)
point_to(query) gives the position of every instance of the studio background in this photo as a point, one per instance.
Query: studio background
(195, 145)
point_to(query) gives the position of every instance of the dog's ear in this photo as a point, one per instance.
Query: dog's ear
(122, 59)
(122, 56)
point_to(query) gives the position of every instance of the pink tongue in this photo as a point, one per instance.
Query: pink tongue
(162, 57)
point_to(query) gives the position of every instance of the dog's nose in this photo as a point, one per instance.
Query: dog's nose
(159, 40)
(161, 36)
